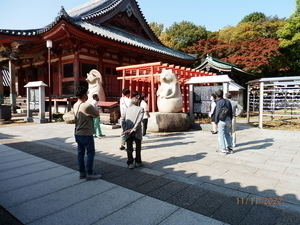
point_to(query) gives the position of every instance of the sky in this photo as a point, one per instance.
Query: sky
(212, 14)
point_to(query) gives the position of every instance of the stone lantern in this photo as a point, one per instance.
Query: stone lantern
(36, 101)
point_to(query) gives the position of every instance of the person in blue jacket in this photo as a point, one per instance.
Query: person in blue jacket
(223, 106)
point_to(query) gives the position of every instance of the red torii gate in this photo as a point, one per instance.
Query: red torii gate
(145, 79)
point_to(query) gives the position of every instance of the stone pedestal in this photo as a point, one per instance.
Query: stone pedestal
(168, 122)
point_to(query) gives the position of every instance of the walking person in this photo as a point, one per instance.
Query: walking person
(96, 121)
(125, 102)
(211, 114)
(144, 105)
(237, 109)
(223, 117)
(84, 130)
(131, 121)
(136, 94)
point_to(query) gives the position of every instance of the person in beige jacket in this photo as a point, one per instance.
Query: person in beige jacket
(131, 121)
(84, 130)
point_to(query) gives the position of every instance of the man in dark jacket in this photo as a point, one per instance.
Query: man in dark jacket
(224, 124)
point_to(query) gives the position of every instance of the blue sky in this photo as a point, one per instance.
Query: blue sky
(213, 14)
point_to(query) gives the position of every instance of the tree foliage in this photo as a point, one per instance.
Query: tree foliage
(251, 31)
(157, 28)
(256, 56)
(258, 44)
(183, 34)
(212, 46)
(256, 17)
(289, 37)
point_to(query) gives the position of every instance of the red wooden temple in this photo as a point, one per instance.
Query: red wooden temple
(145, 79)
(100, 34)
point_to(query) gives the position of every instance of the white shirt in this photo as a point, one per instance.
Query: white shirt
(144, 105)
(94, 103)
(125, 102)
(212, 108)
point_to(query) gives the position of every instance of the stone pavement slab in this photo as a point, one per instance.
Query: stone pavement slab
(176, 163)
(53, 194)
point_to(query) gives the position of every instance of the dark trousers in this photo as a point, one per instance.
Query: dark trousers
(85, 144)
(138, 148)
(145, 125)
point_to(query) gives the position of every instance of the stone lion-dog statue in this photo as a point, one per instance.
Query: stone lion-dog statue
(169, 99)
(95, 85)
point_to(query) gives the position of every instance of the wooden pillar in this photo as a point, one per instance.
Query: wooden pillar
(184, 96)
(261, 104)
(60, 75)
(76, 69)
(130, 81)
(152, 91)
(123, 80)
(12, 73)
(248, 103)
(191, 93)
(225, 88)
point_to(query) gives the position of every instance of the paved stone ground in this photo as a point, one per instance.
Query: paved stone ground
(183, 169)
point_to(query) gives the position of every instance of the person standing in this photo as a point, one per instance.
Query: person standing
(131, 121)
(223, 117)
(125, 102)
(84, 130)
(211, 113)
(237, 109)
(144, 105)
(98, 132)
(136, 94)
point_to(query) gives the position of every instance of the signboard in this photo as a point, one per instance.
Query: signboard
(201, 98)
(34, 99)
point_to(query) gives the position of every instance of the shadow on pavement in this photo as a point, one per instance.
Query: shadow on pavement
(201, 195)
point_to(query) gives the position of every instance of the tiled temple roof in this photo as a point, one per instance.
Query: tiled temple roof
(35, 32)
(219, 65)
(130, 39)
(78, 16)
(93, 9)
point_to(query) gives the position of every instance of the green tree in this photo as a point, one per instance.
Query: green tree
(251, 30)
(256, 17)
(289, 37)
(183, 34)
(157, 28)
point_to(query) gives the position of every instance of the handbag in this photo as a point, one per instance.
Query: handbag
(223, 113)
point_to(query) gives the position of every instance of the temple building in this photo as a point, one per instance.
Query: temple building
(219, 67)
(100, 34)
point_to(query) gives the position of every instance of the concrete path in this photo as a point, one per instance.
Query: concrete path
(184, 180)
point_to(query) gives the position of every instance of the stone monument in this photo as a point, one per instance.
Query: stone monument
(95, 85)
(169, 99)
(169, 102)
